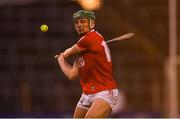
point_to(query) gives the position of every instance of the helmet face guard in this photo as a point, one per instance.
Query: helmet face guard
(84, 14)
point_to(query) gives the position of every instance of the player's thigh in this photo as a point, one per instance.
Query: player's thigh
(99, 109)
(79, 112)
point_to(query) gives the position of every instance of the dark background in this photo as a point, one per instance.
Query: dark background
(31, 82)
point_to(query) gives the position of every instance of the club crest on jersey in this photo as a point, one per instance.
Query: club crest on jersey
(92, 88)
(81, 62)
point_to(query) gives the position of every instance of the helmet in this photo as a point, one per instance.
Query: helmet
(84, 14)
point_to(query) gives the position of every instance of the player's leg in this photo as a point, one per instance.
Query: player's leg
(82, 106)
(99, 109)
(79, 112)
(103, 103)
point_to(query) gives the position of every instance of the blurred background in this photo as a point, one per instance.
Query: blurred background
(145, 66)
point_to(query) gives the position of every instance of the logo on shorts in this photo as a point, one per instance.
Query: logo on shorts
(82, 100)
(110, 92)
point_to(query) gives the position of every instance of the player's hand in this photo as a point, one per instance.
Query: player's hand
(58, 56)
(66, 53)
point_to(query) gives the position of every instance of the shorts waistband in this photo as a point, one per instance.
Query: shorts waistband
(106, 90)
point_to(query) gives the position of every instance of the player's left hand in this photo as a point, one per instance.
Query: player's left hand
(66, 53)
(58, 56)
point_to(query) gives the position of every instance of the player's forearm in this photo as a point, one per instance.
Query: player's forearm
(71, 51)
(66, 68)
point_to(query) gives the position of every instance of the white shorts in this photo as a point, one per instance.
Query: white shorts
(110, 96)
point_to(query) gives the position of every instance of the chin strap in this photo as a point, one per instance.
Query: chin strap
(90, 24)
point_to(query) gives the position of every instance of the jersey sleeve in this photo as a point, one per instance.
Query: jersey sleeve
(84, 43)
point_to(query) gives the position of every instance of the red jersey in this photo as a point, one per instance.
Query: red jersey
(95, 66)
